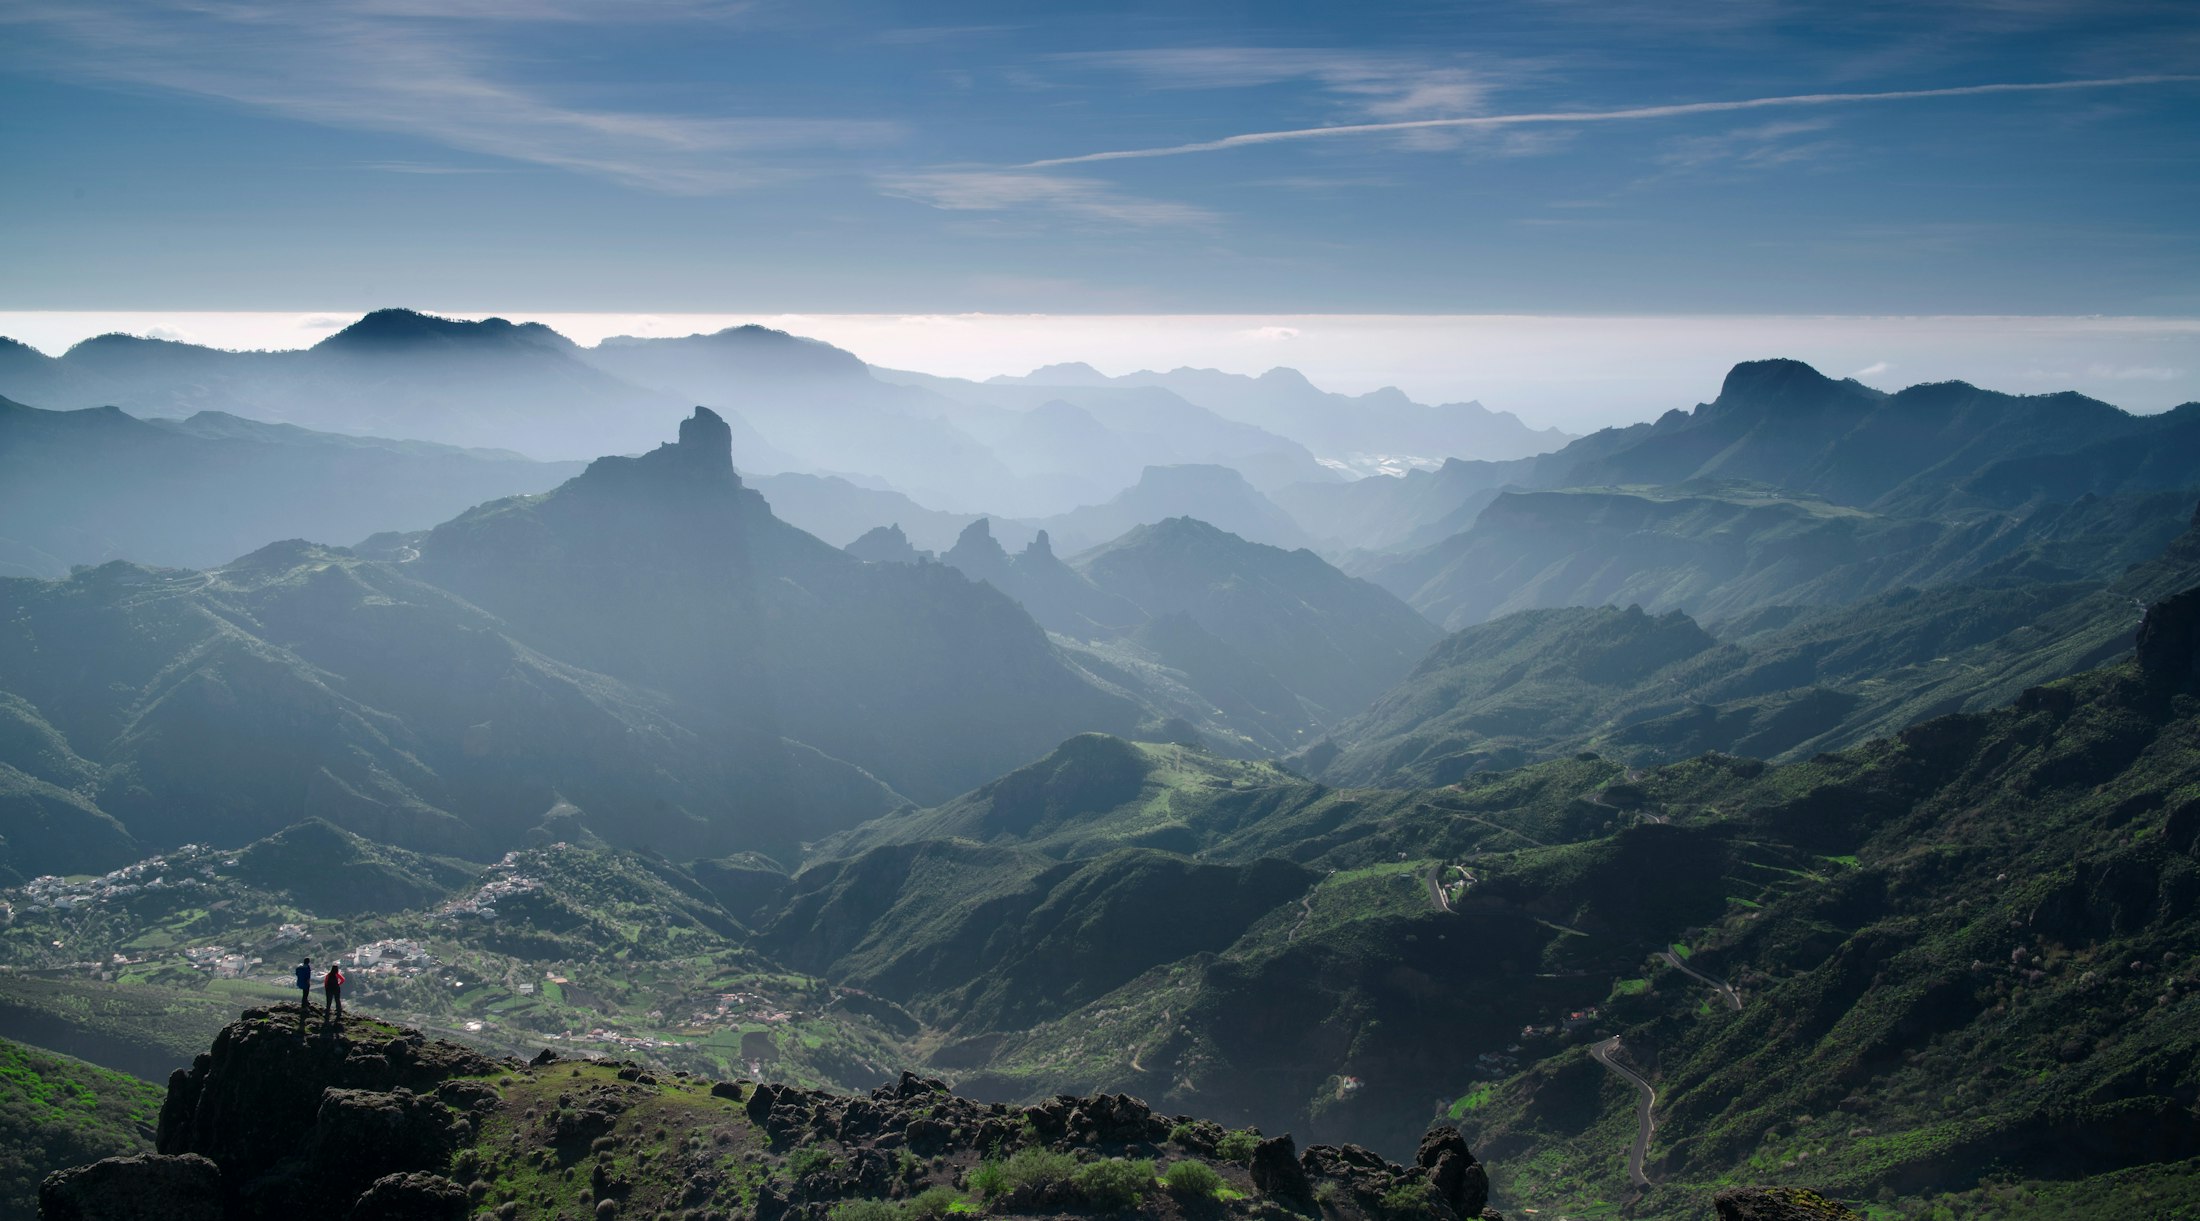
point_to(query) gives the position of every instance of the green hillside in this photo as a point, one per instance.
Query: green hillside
(1783, 683)
(56, 1112)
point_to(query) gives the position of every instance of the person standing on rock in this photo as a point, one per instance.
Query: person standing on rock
(332, 992)
(305, 990)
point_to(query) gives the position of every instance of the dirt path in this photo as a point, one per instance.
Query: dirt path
(1724, 989)
(1644, 1123)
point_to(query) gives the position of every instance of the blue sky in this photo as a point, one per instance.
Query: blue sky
(838, 156)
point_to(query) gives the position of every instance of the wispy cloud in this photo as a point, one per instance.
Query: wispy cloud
(428, 70)
(1377, 86)
(1006, 190)
(1629, 114)
(1761, 146)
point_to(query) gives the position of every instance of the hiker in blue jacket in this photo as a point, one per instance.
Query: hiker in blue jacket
(305, 988)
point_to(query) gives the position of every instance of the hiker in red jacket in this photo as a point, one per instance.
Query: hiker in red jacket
(332, 992)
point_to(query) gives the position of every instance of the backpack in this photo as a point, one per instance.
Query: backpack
(305, 977)
(332, 981)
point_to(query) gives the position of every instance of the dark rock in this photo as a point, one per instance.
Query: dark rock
(1277, 1174)
(725, 1089)
(1459, 1179)
(148, 1187)
(412, 1197)
(1777, 1204)
(2169, 640)
(360, 1136)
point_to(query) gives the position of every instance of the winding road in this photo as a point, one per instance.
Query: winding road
(1672, 955)
(1644, 1123)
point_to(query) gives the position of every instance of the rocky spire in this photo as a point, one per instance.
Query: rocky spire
(706, 442)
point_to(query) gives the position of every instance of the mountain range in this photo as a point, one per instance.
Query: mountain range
(1796, 786)
(85, 487)
(792, 404)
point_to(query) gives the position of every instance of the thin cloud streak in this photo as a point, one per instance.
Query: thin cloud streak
(387, 67)
(1674, 110)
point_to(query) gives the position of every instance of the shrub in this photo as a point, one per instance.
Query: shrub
(1237, 1146)
(932, 1203)
(807, 1161)
(1192, 1180)
(1114, 1183)
(864, 1210)
(990, 1179)
(1027, 1168)
(1412, 1199)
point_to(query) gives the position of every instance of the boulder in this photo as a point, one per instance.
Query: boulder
(412, 1197)
(1277, 1174)
(148, 1187)
(1459, 1179)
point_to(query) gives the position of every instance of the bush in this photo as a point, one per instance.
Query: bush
(931, 1204)
(1192, 1180)
(864, 1210)
(1114, 1183)
(1237, 1146)
(990, 1179)
(1028, 1168)
(808, 1160)
(1413, 1199)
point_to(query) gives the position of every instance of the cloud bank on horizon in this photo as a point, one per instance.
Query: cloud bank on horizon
(1526, 155)
(1575, 373)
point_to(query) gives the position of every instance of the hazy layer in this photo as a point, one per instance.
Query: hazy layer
(1578, 373)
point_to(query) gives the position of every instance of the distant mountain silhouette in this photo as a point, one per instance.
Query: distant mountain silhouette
(85, 487)
(1789, 487)
(1213, 494)
(839, 511)
(1782, 424)
(1090, 439)
(1357, 430)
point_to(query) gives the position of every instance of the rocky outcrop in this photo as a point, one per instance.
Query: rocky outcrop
(148, 1187)
(1459, 1179)
(1777, 1204)
(1279, 1175)
(377, 1123)
(2169, 640)
(257, 1098)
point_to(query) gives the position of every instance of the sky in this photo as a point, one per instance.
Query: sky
(1584, 159)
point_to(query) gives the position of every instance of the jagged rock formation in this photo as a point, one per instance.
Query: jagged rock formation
(375, 1122)
(884, 545)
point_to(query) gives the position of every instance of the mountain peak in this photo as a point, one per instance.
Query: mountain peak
(1040, 547)
(391, 329)
(1067, 373)
(1777, 377)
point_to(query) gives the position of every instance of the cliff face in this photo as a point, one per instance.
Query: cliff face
(376, 1123)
